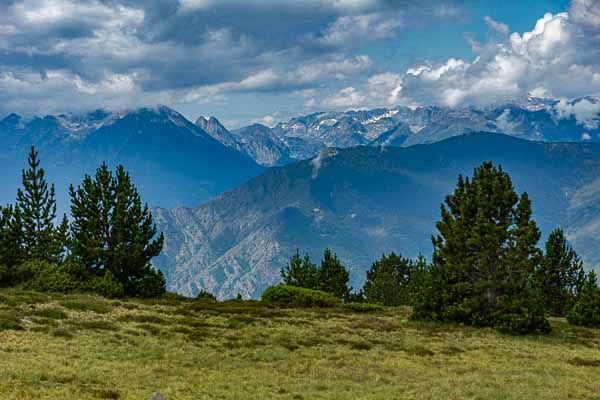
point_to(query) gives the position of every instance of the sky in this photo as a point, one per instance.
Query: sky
(247, 61)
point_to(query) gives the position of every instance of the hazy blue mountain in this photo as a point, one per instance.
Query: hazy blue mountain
(173, 161)
(262, 145)
(305, 136)
(256, 141)
(365, 201)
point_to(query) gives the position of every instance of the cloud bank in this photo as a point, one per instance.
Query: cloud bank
(559, 57)
(78, 55)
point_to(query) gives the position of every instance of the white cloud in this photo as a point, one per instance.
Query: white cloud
(349, 30)
(496, 26)
(267, 120)
(346, 98)
(385, 88)
(552, 59)
(585, 111)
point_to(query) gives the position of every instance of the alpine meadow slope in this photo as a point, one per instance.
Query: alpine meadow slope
(365, 201)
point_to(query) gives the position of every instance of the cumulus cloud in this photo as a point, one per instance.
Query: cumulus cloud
(70, 55)
(553, 59)
(585, 111)
(355, 29)
(348, 97)
(112, 52)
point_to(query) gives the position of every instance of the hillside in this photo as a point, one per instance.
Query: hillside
(76, 346)
(365, 201)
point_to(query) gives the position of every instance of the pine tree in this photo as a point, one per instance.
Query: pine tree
(300, 272)
(91, 209)
(560, 274)
(113, 232)
(11, 243)
(37, 208)
(387, 280)
(333, 276)
(484, 255)
(586, 311)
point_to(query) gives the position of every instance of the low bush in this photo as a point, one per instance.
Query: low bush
(106, 285)
(207, 296)
(363, 307)
(46, 277)
(87, 305)
(292, 296)
(151, 285)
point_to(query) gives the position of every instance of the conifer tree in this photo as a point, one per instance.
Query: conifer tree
(586, 311)
(113, 232)
(36, 206)
(133, 235)
(91, 208)
(387, 280)
(300, 272)
(560, 274)
(333, 276)
(484, 255)
(11, 243)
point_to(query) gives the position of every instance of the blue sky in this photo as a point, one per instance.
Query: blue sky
(267, 60)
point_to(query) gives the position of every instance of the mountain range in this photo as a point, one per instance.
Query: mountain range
(365, 201)
(172, 161)
(304, 137)
(234, 204)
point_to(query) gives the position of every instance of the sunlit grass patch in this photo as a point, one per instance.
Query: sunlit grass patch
(247, 350)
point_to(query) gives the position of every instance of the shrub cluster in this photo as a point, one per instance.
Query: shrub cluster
(331, 276)
(292, 296)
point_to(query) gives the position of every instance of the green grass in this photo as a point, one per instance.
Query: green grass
(83, 347)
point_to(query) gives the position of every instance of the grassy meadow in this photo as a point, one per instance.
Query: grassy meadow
(85, 347)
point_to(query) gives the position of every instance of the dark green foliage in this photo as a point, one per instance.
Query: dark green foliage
(419, 275)
(11, 243)
(204, 295)
(112, 231)
(586, 311)
(387, 281)
(150, 284)
(560, 274)
(523, 314)
(363, 307)
(36, 207)
(333, 276)
(301, 272)
(106, 285)
(483, 257)
(292, 296)
(51, 313)
(357, 297)
(46, 277)
(427, 301)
